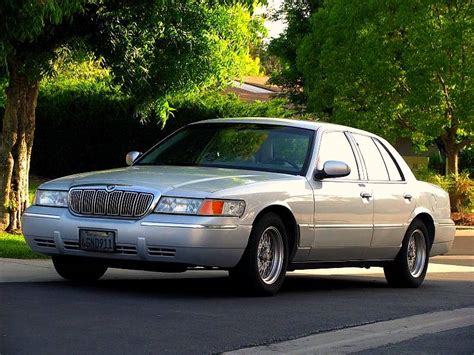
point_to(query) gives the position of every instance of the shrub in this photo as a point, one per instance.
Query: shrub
(460, 188)
(461, 191)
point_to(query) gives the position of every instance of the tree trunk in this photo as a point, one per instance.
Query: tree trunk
(452, 160)
(452, 152)
(16, 146)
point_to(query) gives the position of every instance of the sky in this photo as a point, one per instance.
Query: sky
(274, 27)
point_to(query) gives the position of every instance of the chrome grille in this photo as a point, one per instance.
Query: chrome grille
(117, 203)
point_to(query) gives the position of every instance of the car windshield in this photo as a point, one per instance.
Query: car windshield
(235, 145)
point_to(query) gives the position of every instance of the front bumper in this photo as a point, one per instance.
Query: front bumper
(192, 240)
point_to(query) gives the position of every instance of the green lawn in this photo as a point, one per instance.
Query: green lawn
(14, 246)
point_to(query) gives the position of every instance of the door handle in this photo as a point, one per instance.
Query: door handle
(407, 196)
(365, 194)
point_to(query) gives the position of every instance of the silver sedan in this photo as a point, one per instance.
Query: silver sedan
(255, 196)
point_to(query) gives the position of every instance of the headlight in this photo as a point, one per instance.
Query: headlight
(203, 207)
(51, 198)
(178, 205)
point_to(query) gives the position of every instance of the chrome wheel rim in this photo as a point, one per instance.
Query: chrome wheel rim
(270, 254)
(416, 253)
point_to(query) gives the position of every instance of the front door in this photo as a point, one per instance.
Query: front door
(344, 206)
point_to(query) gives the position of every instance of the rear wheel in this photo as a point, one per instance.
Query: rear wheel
(410, 266)
(77, 269)
(262, 269)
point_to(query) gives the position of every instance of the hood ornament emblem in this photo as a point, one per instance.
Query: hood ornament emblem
(110, 188)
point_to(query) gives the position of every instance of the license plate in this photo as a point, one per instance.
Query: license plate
(97, 240)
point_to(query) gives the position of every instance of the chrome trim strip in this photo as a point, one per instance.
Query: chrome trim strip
(40, 215)
(319, 226)
(316, 226)
(185, 225)
(336, 226)
(389, 225)
(445, 223)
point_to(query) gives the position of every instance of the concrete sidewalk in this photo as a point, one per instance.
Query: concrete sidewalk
(463, 242)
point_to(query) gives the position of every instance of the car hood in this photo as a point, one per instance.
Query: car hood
(180, 180)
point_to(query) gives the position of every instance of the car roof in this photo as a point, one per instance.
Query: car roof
(313, 125)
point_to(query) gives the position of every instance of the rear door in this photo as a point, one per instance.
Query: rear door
(393, 202)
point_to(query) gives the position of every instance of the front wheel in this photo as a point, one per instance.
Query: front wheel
(410, 266)
(77, 269)
(262, 269)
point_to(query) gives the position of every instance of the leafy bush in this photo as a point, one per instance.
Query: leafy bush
(461, 191)
(460, 187)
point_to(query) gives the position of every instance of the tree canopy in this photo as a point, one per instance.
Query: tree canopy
(395, 67)
(296, 14)
(154, 48)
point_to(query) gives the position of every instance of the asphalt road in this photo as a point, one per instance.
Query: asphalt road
(199, 312)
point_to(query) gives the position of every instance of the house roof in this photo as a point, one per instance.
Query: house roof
(253, 88)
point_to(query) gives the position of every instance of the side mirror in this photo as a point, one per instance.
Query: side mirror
(332, 169)
(131, 157)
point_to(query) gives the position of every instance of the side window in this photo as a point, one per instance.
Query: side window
(374, 163)
(392, 166)
(336, 146)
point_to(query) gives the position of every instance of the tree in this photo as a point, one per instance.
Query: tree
(154, 49)
(395, 67)
(296, 14)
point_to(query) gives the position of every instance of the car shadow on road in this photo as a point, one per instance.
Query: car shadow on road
(220, 286)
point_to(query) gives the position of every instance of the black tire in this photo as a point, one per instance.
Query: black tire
(77, 269)
(246, 274)
(398, 273)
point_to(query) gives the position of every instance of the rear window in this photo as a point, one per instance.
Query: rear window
(373, 160)
(392, 167)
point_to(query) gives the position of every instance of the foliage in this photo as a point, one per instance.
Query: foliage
(459, 186)
(30, 30)
(215, 105)
(269, 63)
(396, 68)
(84, 123)
(296, 14)
(466, 160)
(461, 189)
(14, 246)
(168, 50)
(155, 48)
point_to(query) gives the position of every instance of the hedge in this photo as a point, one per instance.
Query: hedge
(90, 126)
